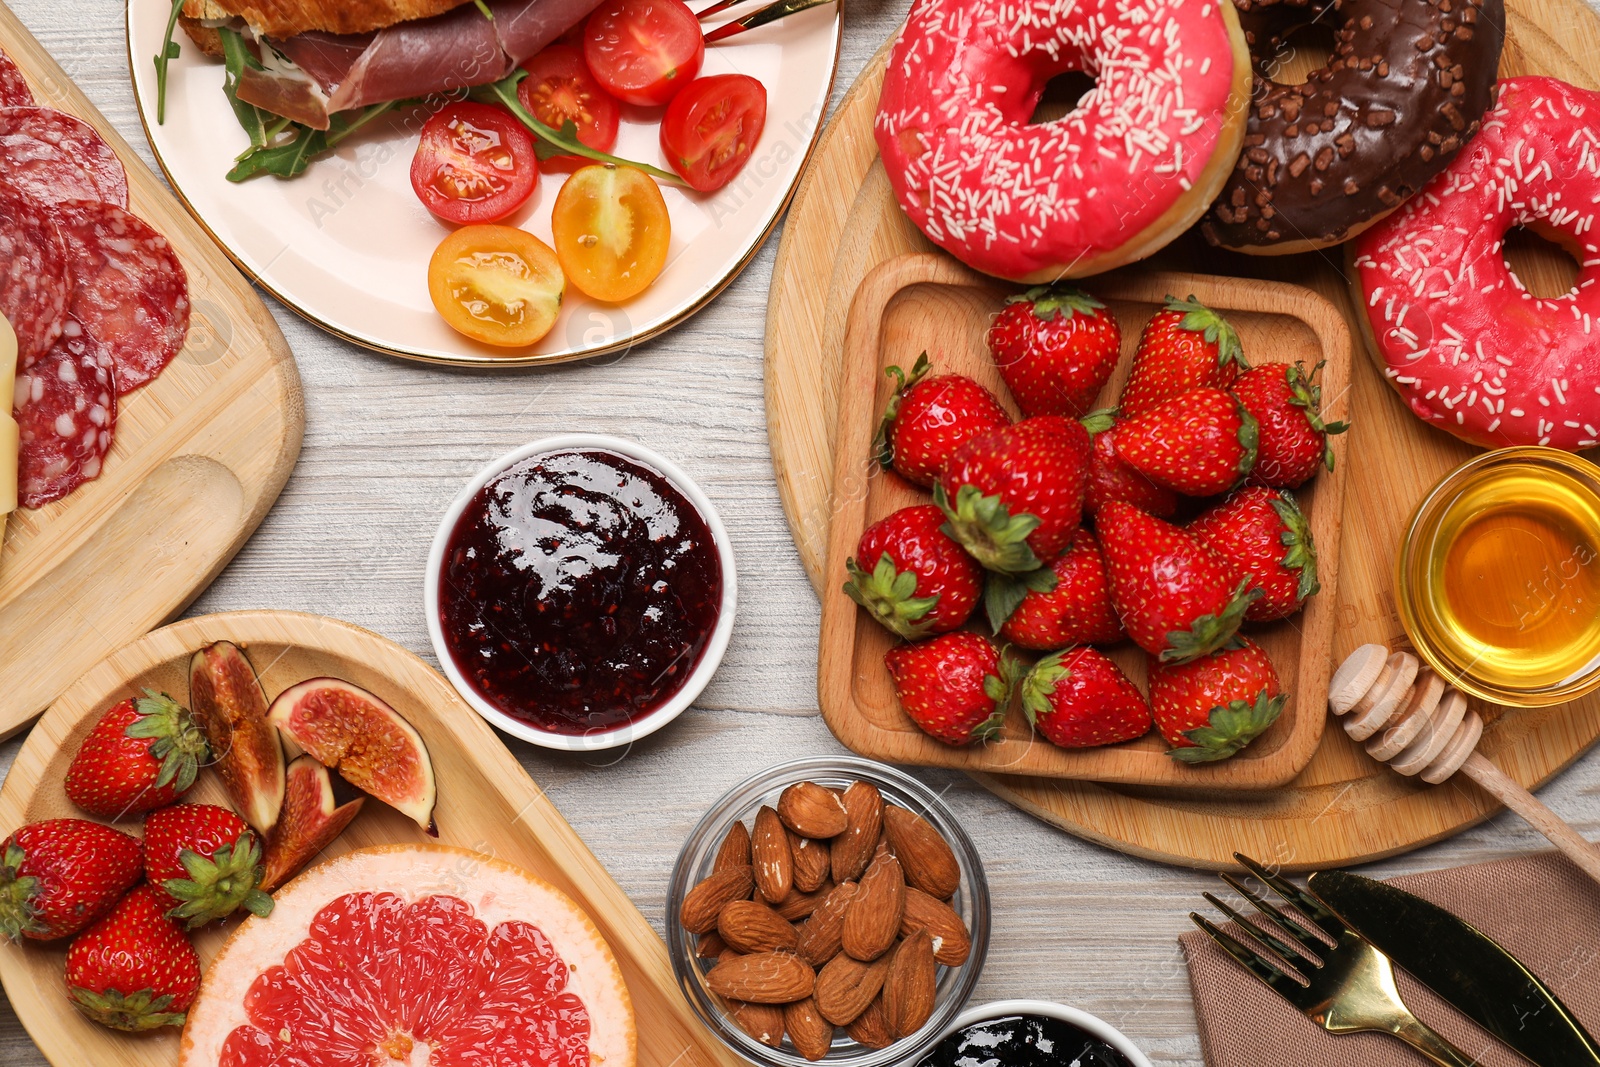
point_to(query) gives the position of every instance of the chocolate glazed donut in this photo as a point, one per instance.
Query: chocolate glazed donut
(1406, 87)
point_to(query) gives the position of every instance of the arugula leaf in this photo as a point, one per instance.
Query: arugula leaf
(483, 7)
(169, 51)
(563, 141)
(543, 150)
(237, 57)
(289, 158)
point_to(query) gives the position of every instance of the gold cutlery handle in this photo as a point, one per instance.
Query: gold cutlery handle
(1419, 1036)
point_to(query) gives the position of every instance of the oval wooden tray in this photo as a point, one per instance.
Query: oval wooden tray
(486, 803)
(1343, 807)
(200, 455)
(925, 302)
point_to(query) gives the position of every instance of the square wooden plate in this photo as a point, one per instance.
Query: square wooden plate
(923, 302)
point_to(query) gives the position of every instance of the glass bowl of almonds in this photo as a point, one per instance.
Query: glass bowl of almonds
(831, 910)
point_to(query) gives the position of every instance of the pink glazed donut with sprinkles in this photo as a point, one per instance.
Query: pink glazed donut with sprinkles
(1133, 165)
(1468, 348)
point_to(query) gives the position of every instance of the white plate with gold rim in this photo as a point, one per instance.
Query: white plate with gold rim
(346, 244)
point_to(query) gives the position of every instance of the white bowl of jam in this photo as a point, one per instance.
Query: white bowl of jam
(1032, 1033)
(580, 592)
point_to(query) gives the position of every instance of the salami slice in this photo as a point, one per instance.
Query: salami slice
(130, 295)
(14, 91)
(52, 156)
(66, 409)
(34, 285)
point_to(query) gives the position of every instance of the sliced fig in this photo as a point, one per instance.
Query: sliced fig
(226, 699)
(311, 819)
(344, 727)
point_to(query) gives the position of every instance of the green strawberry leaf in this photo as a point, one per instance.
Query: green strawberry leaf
(1249, 442)
(219, 885)
(1200, 319)
(998, 688)
(1099, 421)
(882, 449)
(176, 739)
(1004, 593)
(1039, 683)
(1301, 554)
(1207, 633)
(19, 915)
(1051, 301)
(1232, 726)
(132, 1012)
(889, 595)
(986, 528)
(1305, 393)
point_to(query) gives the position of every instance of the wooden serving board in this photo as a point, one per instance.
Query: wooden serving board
(926, 302)
(200, 454)
(1343, 807)
(486, 803)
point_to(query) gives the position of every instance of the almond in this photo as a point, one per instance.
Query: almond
(872, 1027)
(951, 940)
(798, 905)
(763, 978)
(812, 811)
(872, 918)
(764, 1022)
(710, 945)
(771, 857)
(852, 850)
(811, 863)
(819, 935)
(706, 900)
(725, 955)
(811, 1033)
(929, 864)
(734, 850)
(912, 984)
(751, 926)
(846, 986)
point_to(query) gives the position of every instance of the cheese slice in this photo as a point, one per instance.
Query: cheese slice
(10, 445)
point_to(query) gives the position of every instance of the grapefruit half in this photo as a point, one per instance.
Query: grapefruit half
(406, 955)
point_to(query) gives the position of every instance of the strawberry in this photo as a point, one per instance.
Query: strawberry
(1078, 698)
(1112, 479)
(1214, 706)
(1056, 348)
(1264, 532)
(1177, 598)
(929, 418)
(1293, 440)
(912, 576)
(955, 686)
(1014, 495)
(1198, 444)
(142, 754)
(134, 970)
(60, 875)
(1184, 347)
(206, 859)
(1078, 611)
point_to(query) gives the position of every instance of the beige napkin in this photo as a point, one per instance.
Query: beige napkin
(1540, 907)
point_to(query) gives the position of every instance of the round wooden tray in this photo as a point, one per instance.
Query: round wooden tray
(1344, 807)
(487, 803)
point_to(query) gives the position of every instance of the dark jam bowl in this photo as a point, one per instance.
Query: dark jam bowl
(1113, 1048)
(710, 656)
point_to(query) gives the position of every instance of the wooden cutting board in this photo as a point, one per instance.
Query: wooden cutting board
(199, 456)
(487, 803)
(927, 302)
(1344, 807)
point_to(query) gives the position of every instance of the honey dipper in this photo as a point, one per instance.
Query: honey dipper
(1410, 718)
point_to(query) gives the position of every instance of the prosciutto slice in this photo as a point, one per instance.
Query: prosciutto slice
(443, 54)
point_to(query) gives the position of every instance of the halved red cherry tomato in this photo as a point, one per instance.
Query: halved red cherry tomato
(712, 126)
(559, 89)
(612, 230)
(643, 51)
(496, 284)
(474, 163)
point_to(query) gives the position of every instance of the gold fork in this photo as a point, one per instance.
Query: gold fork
(1341, 983)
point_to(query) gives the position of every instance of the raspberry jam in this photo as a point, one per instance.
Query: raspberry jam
(579, 591)
(1023, 1041)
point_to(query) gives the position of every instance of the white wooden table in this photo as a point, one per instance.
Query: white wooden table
(389, 443)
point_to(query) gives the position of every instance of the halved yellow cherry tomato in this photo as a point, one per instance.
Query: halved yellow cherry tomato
(496, 284)
(612, 230)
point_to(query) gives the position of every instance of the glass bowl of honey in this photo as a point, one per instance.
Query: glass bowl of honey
(1498, 578)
